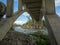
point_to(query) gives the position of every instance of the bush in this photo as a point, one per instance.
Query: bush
(41, 39)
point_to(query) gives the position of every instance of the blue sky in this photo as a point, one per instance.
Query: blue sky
(22, 19)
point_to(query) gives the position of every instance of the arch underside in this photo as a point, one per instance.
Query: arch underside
(34, 8)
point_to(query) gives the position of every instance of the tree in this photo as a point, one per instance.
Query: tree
(2, 10)
(43, 21)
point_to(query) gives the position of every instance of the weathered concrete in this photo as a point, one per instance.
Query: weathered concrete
(34, 7)
(50, 6)
(20, 5)
(48, 9)
(53, 26)
(10, 8)
(8, 24)
(9, 21)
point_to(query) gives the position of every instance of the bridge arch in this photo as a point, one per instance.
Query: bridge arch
(23, 18)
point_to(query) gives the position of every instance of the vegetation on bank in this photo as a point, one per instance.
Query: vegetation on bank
(41, 39)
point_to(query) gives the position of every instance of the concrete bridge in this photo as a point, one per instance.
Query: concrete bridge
(37, 9)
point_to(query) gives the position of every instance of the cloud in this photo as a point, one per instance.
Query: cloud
(20, 22)
(57, 2)
(26, 14)
(58, 13)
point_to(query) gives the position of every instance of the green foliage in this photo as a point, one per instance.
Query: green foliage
(29, 20)
(43, 21)
(2, 8)
(41, 39)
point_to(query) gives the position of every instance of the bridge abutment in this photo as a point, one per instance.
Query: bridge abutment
(53, 26)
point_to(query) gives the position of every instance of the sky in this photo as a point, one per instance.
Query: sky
(57, 7)
(23, 18)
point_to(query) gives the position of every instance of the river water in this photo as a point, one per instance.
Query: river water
(29, 31)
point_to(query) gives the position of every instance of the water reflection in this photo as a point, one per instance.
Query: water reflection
(29, 31)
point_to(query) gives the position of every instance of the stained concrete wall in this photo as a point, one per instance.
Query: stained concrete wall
(8, 24)
(50, 6)
(9, 21)
(10, 8)
(20, 5)
(53, 26)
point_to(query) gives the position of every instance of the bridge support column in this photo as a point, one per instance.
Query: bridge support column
(53, 26)
(50, 6)
(10, 4)
(19, 5)
(36, 24)
(33, 23)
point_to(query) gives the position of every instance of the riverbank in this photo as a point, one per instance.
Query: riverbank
(16, 38)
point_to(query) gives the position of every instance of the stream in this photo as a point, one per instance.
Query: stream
(29, 31)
